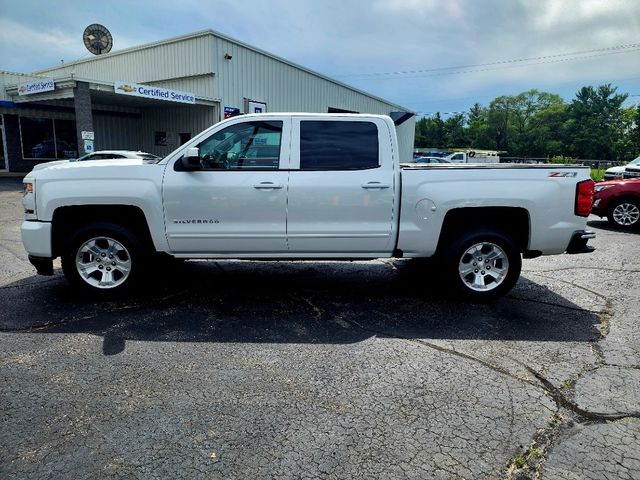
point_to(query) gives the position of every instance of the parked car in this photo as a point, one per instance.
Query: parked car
(632, 170)
(618, 172)
(336, 190)
(431, 160)
(101, 155)
(619, 201)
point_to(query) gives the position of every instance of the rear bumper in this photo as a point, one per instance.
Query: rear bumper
(578, 243)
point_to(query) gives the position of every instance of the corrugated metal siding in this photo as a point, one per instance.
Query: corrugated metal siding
(285, 88)
(203, 85)
(177, 60)
(127, 131)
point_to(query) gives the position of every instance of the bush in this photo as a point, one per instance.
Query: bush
(597, 174)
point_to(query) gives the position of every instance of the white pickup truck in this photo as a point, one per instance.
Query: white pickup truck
(473, 157)
(302, 186)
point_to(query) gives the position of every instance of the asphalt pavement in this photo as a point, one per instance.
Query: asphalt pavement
(336, 370)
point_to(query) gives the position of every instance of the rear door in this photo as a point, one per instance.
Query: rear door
(341, 187)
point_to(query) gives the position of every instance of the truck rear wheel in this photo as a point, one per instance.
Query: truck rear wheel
(103, 257)
(483, 264)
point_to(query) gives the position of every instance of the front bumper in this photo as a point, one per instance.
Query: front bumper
(36, 238)
(578, 243)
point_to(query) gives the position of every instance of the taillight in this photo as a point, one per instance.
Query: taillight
(584, 198)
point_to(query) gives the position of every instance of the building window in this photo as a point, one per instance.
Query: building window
(331, 145)
(44, 138)
(66, 138)
(243, 146)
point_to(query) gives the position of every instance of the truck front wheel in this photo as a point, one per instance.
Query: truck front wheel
(483, 264)
(103, 257)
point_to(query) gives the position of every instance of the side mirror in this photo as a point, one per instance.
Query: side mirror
(191, 159)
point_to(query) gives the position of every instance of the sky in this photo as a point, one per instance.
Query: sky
(400, 50)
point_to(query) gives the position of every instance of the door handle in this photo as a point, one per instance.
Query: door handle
(267, 185)
(375, 185)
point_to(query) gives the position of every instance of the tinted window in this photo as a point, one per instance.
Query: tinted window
(331, 145)
(41, 140)
(243, 146)
(66, 139)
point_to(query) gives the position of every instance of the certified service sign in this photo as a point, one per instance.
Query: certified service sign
(37, 86)
(146, 91)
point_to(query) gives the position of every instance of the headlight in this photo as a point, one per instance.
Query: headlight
(29, 200)
(600, 188)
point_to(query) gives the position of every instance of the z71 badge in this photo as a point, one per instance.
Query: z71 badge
(563, 174)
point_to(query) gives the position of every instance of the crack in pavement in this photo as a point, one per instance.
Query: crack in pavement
(552, 391)
(552, 304)
(560, 400)
(535, 457)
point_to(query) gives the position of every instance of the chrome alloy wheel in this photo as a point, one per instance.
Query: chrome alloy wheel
(483, 266)
(626, 214)
(103, 262)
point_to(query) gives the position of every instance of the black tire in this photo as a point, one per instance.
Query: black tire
(132, 258)
(624, 213)
(489, 277)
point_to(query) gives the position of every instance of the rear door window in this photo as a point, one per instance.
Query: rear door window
(335, 145)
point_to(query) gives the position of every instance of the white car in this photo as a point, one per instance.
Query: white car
(101, 155)
(618, 172)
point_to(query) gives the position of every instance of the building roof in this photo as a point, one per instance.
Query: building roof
(219, 35)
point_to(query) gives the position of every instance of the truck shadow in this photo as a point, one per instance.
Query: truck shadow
(295, 302)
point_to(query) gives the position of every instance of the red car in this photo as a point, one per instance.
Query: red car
(619, 201)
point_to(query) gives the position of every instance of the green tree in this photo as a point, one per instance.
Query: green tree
(540, 124)
(455, 134)
(430, 132)
(478, 135)
(595, 122)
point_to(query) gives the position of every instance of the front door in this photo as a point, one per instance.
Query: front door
(236, 204)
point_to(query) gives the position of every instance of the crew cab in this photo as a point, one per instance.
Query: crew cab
(302, 186)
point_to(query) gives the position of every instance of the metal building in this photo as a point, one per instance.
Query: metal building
(155, 97)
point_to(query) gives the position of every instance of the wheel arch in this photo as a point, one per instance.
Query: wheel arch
(628, 196)
(67, 218)
(514, 221)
